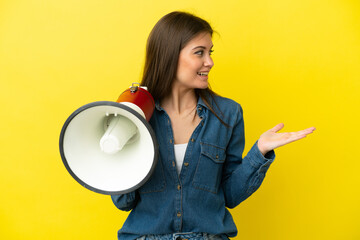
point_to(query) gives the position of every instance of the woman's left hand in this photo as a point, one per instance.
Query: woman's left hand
(271, 139)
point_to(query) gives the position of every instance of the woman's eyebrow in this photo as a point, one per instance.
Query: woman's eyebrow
(202, 47)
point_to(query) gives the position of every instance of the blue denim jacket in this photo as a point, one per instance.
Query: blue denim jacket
(214, 177)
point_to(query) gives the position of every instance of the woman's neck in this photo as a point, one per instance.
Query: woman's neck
(180, 100)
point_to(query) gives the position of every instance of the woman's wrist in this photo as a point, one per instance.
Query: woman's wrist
(261, 148)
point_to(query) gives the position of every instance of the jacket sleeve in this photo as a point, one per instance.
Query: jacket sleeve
(243, 176)
(125, 202)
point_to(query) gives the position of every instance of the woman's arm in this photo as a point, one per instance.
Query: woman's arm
(243, 176)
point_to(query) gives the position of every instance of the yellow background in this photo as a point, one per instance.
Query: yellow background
(296, 62)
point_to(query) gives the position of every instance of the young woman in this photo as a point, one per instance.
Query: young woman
(200, 171)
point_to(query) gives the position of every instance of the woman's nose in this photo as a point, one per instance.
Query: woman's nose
(208, 62)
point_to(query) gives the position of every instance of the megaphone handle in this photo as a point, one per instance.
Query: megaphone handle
(134, 88)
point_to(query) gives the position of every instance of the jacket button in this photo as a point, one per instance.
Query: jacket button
(170, 140)
(217, 156)
(178, 214)
(192, 140)
(186, 164)
(178, 187)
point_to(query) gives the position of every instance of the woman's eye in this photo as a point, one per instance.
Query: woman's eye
(200, 53)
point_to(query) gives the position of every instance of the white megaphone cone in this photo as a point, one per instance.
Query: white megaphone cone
(109, 147)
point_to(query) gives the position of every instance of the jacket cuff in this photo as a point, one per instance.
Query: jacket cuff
(131, 196)
(257, 159)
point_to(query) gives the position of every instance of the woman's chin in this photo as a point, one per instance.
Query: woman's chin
(202, 84)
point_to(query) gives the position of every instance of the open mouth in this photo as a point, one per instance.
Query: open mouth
(203, 73)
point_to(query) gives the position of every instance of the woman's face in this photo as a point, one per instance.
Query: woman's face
(195, 62)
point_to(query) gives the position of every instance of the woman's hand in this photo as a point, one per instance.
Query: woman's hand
(271, 139)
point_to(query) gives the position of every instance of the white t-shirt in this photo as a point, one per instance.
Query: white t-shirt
(180, 150)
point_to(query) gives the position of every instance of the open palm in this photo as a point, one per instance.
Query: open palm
(271, 139)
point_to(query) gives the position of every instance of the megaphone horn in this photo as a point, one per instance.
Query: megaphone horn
(109, 147)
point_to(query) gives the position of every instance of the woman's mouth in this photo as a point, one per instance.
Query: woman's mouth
(203, 73)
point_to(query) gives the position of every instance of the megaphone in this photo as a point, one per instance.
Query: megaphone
(109, 147)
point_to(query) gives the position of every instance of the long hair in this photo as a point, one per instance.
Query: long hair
(168, 37)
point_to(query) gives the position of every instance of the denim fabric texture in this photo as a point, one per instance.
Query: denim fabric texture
(181, 236)
(214, 177)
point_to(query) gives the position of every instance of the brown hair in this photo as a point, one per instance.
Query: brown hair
(169, 35)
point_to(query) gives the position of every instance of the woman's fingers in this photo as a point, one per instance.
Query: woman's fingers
(280, 126)
(277, 128)
(305, 131)
(294, 136)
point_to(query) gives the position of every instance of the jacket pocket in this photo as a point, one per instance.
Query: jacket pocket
(156, 182)
(209, 168)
